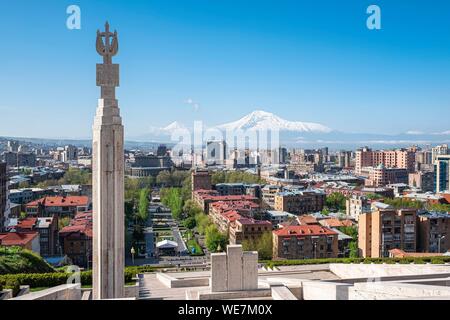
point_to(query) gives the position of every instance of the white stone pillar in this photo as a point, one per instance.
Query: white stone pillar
(108, 179)
(250, 270)
(234, 267)
(219, 272)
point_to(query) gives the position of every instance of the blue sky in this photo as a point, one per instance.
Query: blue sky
(302, 60)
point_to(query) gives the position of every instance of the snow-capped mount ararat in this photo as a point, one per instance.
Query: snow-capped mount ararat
(262, 120)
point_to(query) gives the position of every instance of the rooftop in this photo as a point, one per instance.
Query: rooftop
(17, 238)
(310, 230)
(60, 201)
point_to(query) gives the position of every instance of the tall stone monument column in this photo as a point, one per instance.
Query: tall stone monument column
(108, 177)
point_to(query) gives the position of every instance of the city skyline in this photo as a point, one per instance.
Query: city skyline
(198, 60)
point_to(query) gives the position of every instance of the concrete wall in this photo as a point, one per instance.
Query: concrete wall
(282, 293)
(315, 290)
(132, 291)
(6, 294)
(172, 282)
(62, 292)
(396, 290)
(349, 271)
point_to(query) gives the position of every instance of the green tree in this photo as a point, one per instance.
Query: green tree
(171, 197)
(63, 222)
(235, 177)
(190, 223)
(335, 201)
(373, 196)
(401, 203)
(202, 221)
(164, 178)
(263, 245)
(439, 207)
(76, 176)
(354, 250)
(186, 192)
(214, 239)
(191, 209)
(24, 185)
(143, 204)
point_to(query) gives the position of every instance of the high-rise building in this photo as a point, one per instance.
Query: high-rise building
(216, 152)
(381, 176)
(14, 159)
(12, 146)
(423, 180)
(71, 153)
(442, 173)
(357, 205)
(344, 159)
(400, 159)
(384, 229)
(441, 150)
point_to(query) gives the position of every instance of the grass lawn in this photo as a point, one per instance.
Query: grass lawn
(193, 244)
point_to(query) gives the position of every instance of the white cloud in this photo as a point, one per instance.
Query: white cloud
(195, 105)
(414, 132)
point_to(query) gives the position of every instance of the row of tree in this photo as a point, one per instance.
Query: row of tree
(235, 177)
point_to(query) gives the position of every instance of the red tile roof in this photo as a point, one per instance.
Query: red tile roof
(336, 223)
(17, 238)
(308, 230)
(60, 201)
(214, 196)
(28, 223)
(248, 221)
(231, 215)
(305, 220)
(81, 223)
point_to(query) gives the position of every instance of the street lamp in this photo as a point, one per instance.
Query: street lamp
(439, 243)
(132, 255)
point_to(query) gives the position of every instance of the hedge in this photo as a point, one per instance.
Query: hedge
(46, 280)
(18, 260)
(421, 260)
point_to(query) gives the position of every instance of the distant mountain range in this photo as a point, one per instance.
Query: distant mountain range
(292, 134)
(262, 120)
(306, 134)
(130, 145)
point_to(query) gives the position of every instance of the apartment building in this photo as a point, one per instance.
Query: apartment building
(423, 180)
(299, 202)
(248, 229)
(400, 159)
(268, 194)
(356, 205)
(386, 229)
(305, 242)
(381, 176)
(59, 205)
(203, 198)
(76, 239)
(442, 173)
(200, 179)
(47, 228)
(433, 232)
